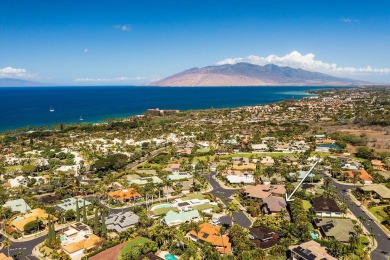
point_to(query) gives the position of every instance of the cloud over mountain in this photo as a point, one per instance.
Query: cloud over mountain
(306, 62)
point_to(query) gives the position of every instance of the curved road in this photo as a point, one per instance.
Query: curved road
(224, 194)
(25, 248)
(383, 241)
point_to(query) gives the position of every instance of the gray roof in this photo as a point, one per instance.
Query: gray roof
(18, 205)
(70, 203)
(121, 221)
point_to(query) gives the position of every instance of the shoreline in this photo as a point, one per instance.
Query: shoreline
(47, 127)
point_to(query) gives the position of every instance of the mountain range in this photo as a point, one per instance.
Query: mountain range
(11, 82)
(246, 74)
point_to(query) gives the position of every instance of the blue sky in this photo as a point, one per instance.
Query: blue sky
(132, 42)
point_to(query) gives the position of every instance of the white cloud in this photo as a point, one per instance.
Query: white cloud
(9, 72)
(85, 50)
(306, 62)
(349, 20)
(123, 27)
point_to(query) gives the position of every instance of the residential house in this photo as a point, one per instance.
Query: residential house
(143, 181)
(211, 234)
(337, 228)
(327, 147)
(203, 205)
(4, 257)
(18, 205)
(77, 239)
(258, 148)
(325, 207)
(379, 191)
(361, 174)
(263, 237)
(310, 250)
(177, 176)
(71, 203)
(267, 161)
(176, 218)
(124, 195)
(172, 167)
(121, 221)
(378, 165)
(273, 205)
(262, 191)
(20, 221)
(235, 179)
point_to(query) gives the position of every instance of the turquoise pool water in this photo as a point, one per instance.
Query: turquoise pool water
(162, 206)
(170, 257)
(19, 218)
(314, 235)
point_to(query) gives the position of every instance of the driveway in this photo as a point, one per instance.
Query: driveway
(381, 237)
(224, 195)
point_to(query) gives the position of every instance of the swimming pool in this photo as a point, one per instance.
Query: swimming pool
(161, 206)
(314, 234)
(18, 218)
(170, 257)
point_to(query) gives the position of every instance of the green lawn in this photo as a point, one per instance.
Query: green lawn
(306, 205)
(364, 241)
(378, 212)
(193, 196)
(129, 246)
(205, 206)
(163, 211)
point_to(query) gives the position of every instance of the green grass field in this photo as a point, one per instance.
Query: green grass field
(378, 212)
(129, 246)
(306, 205)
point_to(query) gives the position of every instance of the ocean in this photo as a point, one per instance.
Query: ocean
(29, 106)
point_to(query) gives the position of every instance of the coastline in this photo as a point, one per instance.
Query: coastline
(279, 94)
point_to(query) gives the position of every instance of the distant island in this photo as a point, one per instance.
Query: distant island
(12, 82)
(246, 74)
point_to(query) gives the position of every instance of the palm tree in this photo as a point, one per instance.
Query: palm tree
(232, 207)
(7, 244)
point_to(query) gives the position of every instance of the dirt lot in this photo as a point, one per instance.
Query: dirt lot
(378, 137)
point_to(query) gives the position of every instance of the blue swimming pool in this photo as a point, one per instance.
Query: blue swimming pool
(314, 234)
(170, 257)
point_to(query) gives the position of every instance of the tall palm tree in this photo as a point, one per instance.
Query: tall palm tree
(7, 244)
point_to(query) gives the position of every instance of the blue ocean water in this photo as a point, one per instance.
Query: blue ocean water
(29, 106)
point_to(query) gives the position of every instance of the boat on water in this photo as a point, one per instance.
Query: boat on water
(81, 118)
(51, 109)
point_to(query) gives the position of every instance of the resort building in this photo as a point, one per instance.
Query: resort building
(173, 218)
(310, 250)
(211, 234)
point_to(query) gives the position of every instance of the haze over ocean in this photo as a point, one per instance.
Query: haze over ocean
(29, 106)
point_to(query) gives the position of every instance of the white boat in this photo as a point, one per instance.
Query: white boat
(81, 118)
(51, 109)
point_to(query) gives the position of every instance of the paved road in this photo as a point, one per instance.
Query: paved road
(224, 194)
(380, 236)
(24, 247)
